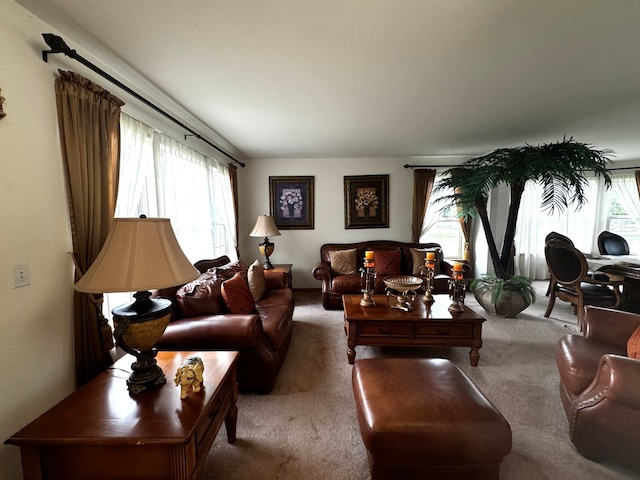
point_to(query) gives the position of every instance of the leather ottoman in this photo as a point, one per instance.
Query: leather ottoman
(424, 418)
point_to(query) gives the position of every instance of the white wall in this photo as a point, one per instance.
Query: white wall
(302, 247)
(36, 353)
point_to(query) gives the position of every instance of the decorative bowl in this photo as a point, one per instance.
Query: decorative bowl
(403, 283)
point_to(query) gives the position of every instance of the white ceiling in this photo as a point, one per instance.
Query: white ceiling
(383, 78)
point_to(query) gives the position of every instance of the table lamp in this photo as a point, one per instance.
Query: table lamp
(139, 254)
(265, 227)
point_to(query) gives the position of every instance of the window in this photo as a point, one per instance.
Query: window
(160, 177)
(443, 227)
(605, 210)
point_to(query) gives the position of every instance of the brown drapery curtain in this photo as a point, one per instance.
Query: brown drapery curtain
(638, 181)
(233, 176)
(423, 180)
(89, 125)
(465, 225)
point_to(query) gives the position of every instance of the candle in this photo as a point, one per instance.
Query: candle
(368, 255)
(431, 255)
(457, 267)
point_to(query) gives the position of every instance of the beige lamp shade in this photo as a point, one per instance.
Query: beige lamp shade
(139, 254)
(265, 227)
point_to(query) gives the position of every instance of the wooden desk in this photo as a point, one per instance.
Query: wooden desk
(100, 431)
(426, 325)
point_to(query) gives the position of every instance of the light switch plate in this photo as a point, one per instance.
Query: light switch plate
(21, 275)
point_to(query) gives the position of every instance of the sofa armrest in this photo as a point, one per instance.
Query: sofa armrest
(617, 380)
(610, 326)
(322, 271)
(214, 332)
(275, 280)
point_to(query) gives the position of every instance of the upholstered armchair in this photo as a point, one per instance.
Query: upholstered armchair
(600, 386)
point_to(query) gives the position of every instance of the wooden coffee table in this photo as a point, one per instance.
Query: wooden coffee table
(100, 431)
(425, 326)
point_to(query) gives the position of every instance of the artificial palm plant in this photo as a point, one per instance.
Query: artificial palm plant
(560, 167)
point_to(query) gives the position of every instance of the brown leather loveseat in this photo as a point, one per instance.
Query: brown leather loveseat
(204, 319)
(340, 276)
(600, 385)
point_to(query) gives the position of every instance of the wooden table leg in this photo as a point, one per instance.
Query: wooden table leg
(474, 356)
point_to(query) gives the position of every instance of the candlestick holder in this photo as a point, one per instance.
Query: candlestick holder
(367, 281)
(428, 274)
(457, 286)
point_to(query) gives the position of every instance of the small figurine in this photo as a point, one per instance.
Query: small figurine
(189, 374)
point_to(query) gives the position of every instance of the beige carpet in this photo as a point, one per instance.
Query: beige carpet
(306, 428)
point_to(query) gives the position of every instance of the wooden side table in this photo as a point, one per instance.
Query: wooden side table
(102, 431)
(286, 269)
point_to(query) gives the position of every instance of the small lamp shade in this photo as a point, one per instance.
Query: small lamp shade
(265, 227)
(138, 254)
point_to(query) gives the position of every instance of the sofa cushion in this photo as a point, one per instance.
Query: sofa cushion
(418, 255)
(256, 280)
(633, 345)
(227, 271)
(343, 262)
(200, 297)
(387, 262)
(237, 296)
(346, 284)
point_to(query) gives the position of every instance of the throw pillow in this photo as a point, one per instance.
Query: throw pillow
(387, 262)
(200, 297)
(418, 256)
(256, 280)
(633, 345)
(237, 296)
(230, 269)
(343, 262)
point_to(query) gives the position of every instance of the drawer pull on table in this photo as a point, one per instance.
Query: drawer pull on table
(445, 331)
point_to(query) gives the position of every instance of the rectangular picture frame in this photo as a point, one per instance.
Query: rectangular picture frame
(292, 202)
(366, 201)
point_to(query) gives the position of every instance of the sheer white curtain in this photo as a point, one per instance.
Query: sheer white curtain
(534, 225)
(626, 192)
(190, 192)
(136, 168)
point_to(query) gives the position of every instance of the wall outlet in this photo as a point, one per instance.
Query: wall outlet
(21, 275)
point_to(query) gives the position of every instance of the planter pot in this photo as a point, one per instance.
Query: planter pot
(510, 305)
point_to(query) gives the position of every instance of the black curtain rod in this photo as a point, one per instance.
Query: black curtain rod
(430, 166)
(58, 45)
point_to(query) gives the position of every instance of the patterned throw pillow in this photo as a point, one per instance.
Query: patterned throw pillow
(343, 262)
(256, 280)
(387, 262)
(230, 269)
(633, 345)
(418, 256)
(201, 297)
(237, 296)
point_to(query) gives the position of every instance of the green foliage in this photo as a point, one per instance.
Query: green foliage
(559, 167)
(499, 285)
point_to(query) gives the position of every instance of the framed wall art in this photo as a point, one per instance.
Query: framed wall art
(366, 201)
(291, 202)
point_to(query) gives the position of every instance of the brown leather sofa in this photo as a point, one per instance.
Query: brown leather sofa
(600, 387)
(262, 337)
(335, 284)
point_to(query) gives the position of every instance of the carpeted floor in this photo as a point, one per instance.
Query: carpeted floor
(306, 428)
